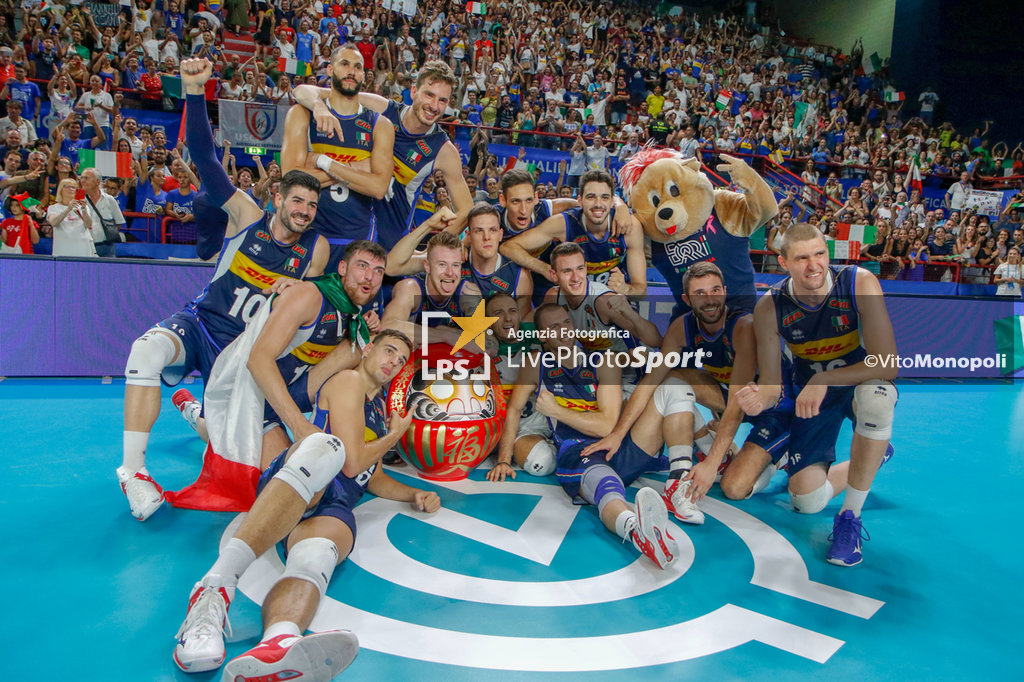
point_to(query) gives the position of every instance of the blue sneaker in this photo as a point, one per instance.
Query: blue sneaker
(889, 452)
(847, 532)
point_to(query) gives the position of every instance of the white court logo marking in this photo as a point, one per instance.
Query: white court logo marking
(777, 566)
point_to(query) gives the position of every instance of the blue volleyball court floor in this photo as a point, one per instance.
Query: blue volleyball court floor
(511, 582)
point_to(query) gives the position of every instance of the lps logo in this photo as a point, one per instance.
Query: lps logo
(475, 328)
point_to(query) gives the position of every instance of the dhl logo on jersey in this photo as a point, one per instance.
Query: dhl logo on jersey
(341, 154)
(577, 404)
(253, 274)
(311, 353)
(403, 173)
(368, 435)
(827, 349)
(720, 374)
(598, 267)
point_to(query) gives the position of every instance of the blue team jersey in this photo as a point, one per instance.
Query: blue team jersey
(249, 262)
(376, 422)
(414, 158)
(826, 336)
(602, 255)
(181, 203)
(714, 244)
(574, 388)
(313, 342)
(426, 206)
(427, 304)
(304, 47)
(343, 215)
(719, 353)
(504, 279)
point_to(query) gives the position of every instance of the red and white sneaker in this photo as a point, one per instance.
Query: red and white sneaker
(318, 657)
(200, 644)
(143, 493)
(679, 504)
(187, 405)
(651, 535)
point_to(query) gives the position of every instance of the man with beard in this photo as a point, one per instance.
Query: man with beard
(337, 156)
(421, 147)
(724, 339)
(258, 249)
(440, 288)
(591, 227)
(313, 331)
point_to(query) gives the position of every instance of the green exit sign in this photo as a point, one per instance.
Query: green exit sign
(255, 150)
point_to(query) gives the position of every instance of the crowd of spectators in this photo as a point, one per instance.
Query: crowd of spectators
(597, 80)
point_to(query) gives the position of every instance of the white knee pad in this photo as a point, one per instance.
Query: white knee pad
(312, 560)
(541, 460)
(674, 396)
(812, 502)
(150, 353)
(873, 405)
(317, 460)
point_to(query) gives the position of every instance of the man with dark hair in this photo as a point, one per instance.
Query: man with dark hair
(486, 267)
(338, 159)
(305, 501)
(421, 147)
(258, 249)
(591, 227)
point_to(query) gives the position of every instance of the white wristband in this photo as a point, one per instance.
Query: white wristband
(323, 162)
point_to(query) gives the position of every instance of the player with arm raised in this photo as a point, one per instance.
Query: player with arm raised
(258, 249)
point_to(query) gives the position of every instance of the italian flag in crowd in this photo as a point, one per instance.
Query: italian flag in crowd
(109, 164)
(293, 67)
(722, 102)
(914, 174)
(849, 239)
(476, 8)
(1010, 340)
(894, 96)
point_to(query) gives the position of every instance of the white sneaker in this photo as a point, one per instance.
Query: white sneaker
(200, 644)
(651, 535)
(317, 657)
(676, 501)
(144, 495)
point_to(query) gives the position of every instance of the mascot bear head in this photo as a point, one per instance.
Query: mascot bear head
(670, 195)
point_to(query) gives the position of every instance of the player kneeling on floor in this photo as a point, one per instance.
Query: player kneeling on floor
(305, 500)
(582, 401)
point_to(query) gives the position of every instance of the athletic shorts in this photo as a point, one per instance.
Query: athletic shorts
(770, 429)
(814, 440)
(200, 350)
(629, 463)
(535, 424)
(333, 503)
(299, 391)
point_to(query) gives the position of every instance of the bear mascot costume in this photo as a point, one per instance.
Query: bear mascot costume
(690, 221)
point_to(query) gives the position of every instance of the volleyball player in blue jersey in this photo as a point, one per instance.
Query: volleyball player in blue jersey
(258, 249)
(835, 323)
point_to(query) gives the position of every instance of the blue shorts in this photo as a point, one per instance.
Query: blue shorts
(770, 429)
(629, 463)
(814, 440)
(200, 350)
(299, 391)
(332, 503)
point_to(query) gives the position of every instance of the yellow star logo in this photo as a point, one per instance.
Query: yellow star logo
(473, 328)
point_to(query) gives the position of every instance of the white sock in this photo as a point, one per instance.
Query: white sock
(854, 500)
(625, 522)
(230, 565)
(135, 450)
(763, 479)
(680, 460)
(284, 627)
